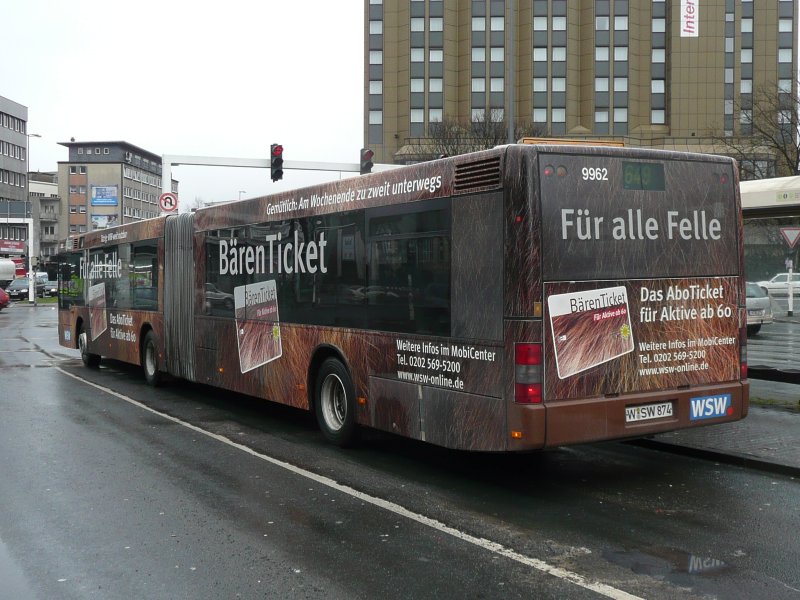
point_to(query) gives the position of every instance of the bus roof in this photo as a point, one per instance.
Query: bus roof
(570, 142)
(777, 192)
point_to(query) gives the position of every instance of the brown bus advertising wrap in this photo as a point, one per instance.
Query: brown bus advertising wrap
(511, 299)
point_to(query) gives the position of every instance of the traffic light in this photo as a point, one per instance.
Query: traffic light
(365, 166)
(276, 161)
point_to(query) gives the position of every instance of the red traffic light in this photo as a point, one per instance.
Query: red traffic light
(365, 165)
(276, 161)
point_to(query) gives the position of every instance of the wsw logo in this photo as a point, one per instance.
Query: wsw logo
(710, 407)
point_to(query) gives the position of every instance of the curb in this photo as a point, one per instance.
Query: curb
(719, 456)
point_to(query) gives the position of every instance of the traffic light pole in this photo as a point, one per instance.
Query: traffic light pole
(167, 161)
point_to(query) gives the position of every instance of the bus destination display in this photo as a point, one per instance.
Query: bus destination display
(643, 176)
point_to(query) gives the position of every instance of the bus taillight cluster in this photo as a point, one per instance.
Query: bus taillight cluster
(528, 373)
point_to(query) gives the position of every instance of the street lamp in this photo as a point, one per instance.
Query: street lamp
(240, 194)
(31, 274)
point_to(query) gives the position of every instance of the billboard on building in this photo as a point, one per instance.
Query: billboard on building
(104, 221)
(105, 195)
(690, 18)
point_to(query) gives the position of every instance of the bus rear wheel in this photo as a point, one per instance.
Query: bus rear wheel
(89, 359)
(335, 403)
(150, 360)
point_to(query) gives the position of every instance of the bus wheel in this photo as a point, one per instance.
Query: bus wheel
(89, 359)
(335, 403)
(150, 360)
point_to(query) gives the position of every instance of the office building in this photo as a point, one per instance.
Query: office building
(107, 184)
(15, 211)
(666, 74)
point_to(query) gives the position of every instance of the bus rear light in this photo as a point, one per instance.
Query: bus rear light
(528, 373)
(528, 354)
(743, 360)
(528, 393)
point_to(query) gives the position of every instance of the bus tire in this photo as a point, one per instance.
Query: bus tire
(89, 359)
(335, 403)
(150, 360)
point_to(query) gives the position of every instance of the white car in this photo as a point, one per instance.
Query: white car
(759, 309)
(779, 285)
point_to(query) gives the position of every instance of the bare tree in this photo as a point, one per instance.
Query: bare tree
(768, 143)
(451, 137)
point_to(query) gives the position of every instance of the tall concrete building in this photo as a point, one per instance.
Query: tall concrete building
(15, 210)
(661, 73)
(107, 184)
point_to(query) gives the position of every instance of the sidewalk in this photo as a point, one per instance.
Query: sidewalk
(768, 438)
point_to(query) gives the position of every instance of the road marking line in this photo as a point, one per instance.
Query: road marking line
(496, 548)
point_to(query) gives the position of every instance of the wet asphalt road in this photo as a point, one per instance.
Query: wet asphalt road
(114, 490)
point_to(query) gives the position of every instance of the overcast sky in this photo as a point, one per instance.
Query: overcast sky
(177, 77)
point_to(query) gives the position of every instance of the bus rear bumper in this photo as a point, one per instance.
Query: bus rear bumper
(637, 415)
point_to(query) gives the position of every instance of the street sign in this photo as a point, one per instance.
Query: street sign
(791, 235)
(168, 202)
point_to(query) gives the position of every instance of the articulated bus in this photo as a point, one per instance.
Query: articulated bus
(512, 299)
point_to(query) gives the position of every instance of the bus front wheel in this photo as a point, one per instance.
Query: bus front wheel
(335, 403)
(150, 360)
(89, 359)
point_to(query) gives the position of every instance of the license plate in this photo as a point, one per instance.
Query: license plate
(756, 312)
(645, 412)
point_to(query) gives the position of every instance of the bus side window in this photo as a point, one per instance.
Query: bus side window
(409, 268)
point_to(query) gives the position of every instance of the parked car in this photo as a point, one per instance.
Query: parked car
(18, 289)
(759, 309)
(50, 288)
(4, 299)
(779, 285)
(216, 297)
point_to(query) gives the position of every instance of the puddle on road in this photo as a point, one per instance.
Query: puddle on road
(667, 563)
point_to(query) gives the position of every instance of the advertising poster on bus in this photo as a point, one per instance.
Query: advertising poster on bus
(644, 335)
(97, 309)
(258, 332)
(589, 328)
